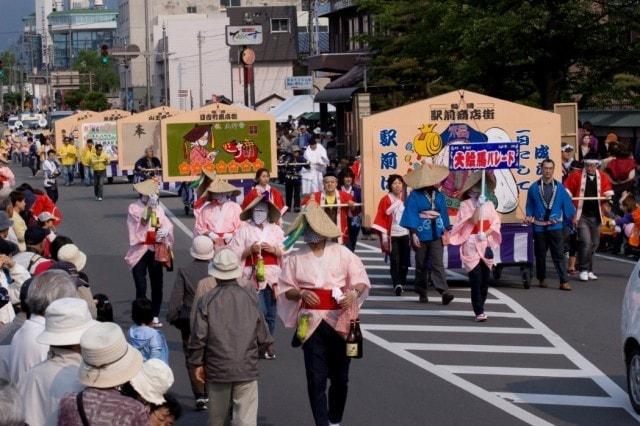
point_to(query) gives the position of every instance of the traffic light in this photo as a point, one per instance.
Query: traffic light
(1, 69)
(104, 54)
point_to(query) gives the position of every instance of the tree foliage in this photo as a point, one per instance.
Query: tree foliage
(81, 99)
(535, 52)
(104, 79)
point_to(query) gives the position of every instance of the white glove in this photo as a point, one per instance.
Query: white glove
(482, 236)
(153, 201)
(161, 234)
(212, 235)
(618, 229)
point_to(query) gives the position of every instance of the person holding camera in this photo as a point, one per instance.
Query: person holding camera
(52, 170)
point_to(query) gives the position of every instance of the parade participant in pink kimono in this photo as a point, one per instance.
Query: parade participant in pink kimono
(149, 231)
(218, 217)
(477, 232)
(259, 245)
(262, 186)
(320, 289)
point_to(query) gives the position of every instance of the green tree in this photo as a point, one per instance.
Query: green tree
(95, 101)
(535, 52)
(74, 98)
(103, 79)
(8, 59)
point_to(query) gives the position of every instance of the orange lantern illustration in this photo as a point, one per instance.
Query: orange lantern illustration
(196, 169)
(184, 168)
(210, 167)
(221, 167)
(246, 166)
(258, 164)
(233, 167)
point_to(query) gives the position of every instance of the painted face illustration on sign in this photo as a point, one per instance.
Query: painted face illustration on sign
(506, 190)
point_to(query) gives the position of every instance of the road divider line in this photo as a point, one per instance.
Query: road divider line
(450, 347)
(616, 259)
(449, 329)
(177, 222)
(463, 384)
(434, 313)
(516, 371)
(415, 299)
(570, 400)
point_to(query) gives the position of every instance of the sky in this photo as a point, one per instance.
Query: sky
(11, 18)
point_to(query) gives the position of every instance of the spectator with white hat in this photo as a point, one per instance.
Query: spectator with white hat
(45, 384)
(181, 302)
(72, 254)
(108, 362)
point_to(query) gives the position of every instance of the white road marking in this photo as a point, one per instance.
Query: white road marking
(516, 371)
(502, 349)
(415, 299)
(449, 329)
(177, 221)
(616, 259)
(571, 400)
(434, 313)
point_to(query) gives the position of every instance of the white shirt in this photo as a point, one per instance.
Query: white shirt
(25, 352)
(398, 208)
(50, 169)
(43, 386)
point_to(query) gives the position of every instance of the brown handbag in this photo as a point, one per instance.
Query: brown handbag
(164, 255)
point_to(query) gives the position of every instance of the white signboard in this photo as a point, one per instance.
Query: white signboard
(300, 82)
(244, 35)
(104, 133)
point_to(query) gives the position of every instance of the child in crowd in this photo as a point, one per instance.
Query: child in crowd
(149, 341)
(103, 307)
(630, 223)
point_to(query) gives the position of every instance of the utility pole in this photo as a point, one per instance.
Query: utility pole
(147, 54)
(200, 65)
(165, 65)
(90, 81)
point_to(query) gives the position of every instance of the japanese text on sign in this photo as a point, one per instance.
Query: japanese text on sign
(463, 112)
(484, 156)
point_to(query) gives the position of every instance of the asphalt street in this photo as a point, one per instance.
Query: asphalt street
(544, 356)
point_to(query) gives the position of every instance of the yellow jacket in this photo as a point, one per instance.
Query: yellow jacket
(86, 156)
(99, 162)
(68, 154)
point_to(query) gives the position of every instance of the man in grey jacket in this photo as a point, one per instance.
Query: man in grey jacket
(224, 357)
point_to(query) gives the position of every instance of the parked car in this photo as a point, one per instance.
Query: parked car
(631, 336)
(14, 123)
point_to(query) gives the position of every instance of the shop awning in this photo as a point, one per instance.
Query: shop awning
(335, 96)
(611, 118)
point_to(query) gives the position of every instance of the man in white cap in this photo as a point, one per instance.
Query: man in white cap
(25, 351)
(149, 227)
(224, 357)
(108, 362)
(45, 384)
(219, 217)
(181, 302)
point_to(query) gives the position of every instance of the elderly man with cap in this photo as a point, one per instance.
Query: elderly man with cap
(321, 288)
(589, 188)
(259, 245)
(219, 217)
(228, 334)
(45, 384)
(331, 195)
(569, 163)
(108, 362)
(25, 350)
(182, 300)
(427, 218)
(34, 238)
(318, 161)
(149, 228)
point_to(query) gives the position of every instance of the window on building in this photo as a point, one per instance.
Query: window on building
(280, 25)
(230, 3)
(192, 9)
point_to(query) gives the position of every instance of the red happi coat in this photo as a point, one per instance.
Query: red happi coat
(343, 221)
(274, 196)
(577, 182)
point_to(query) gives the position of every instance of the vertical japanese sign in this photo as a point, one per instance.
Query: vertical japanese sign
(398, 140)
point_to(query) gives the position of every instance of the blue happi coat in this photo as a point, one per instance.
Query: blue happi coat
(426, 229)
(562, 208)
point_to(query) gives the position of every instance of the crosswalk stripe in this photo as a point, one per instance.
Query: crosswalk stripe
(446, 347)
(415, 299)
(572, 400)
(516, 371)
(449, 329)
(434, 313)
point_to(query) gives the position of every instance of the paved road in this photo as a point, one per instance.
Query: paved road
(544, 356)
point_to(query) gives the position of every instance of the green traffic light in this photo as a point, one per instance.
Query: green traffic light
(105, 60)
(1, 73)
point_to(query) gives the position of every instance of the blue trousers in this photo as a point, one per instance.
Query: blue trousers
(67, 174)
(267, 305)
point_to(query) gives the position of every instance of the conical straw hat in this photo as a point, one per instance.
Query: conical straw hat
(318, 220)
(473, 179)
(147, 187)
(274, 213)
(427, 175)
(219, 186)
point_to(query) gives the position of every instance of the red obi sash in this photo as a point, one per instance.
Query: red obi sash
(327, 302)
(486, 224)
(269, 259)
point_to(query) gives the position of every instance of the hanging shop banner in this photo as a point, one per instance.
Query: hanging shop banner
(68, 127)
(398, 140)
(139, 132)
(484, 156)
(232, 141)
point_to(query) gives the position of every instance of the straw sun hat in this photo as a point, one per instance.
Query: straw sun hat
(153, 380)
(427, 175)
(318, 220)
(225, 265)
(147, 187)
(219, 186)
(473, 179)
(107, 359)
(66, 320)
(274, 213)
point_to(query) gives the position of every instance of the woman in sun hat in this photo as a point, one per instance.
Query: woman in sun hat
(108, 362)
(148, 227)
(150, 387)
(477, 231)
(218, 217)
(44, 385)
(259, 245)
(320, 289)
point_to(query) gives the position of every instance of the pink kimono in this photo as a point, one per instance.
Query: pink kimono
(247, 236)
(338, 268)
(465, 233)
(222, 220)
(138, 232)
